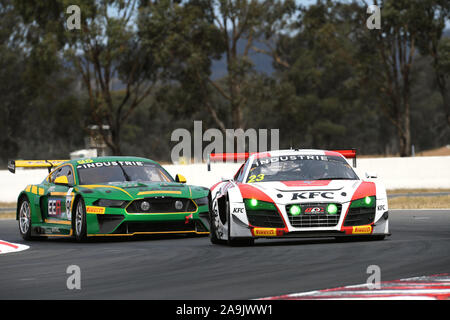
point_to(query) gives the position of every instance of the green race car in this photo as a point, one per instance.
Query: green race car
(109, 196)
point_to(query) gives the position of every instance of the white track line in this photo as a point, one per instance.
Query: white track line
(8, 247)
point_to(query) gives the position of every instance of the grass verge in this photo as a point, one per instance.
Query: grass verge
(438, 202)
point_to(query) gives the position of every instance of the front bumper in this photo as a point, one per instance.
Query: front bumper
(346, 221)
(118, 222)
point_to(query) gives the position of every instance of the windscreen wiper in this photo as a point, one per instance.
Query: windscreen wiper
(127, 177)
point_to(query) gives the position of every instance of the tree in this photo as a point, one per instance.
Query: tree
(237, 25)
(320, 60)
(117, 70)
(12, 91)
(436, 13)
(396, 47)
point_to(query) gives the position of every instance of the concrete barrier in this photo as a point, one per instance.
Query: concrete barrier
(396, 173)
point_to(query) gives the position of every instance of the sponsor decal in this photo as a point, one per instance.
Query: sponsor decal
(315, 210)
(238, 210)
(264, 161)
(54, 208)
(362, 230)
(110, 163)
(312, 195)
(265, 232)
(187, 218)
(95, 210)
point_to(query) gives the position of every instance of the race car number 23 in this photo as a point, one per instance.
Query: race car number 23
(255, 178)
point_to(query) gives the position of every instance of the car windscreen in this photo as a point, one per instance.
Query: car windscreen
(119, 171)
(300, 167)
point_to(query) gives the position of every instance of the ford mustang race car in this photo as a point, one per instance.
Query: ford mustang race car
(108, 196)
(296, 193)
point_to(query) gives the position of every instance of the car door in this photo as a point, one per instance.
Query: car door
(58, 198)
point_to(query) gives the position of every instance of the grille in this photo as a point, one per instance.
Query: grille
(311, 220)
(265, 218)
(359, 216)
(162, 205)
(107, 222)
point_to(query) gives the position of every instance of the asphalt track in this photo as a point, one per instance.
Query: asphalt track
(191, 268)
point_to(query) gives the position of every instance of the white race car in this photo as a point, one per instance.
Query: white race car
(296, 193)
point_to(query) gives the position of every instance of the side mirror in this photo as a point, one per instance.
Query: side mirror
(180, 178)
(63, 180)
(371, 175)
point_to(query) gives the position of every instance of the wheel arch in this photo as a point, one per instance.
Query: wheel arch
(22, 195)
(76, 198)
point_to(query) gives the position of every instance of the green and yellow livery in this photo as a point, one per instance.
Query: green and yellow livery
(109, 196)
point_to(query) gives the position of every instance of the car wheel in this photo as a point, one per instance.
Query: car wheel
(80, 226)
(25, 219)
(212, 229)
(236, 242)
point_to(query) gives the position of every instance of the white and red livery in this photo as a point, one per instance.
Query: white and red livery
(296, 193)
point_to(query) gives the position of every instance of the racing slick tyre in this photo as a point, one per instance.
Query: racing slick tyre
(212, 229)
(80, 226)
(25, 218)
(236, 242)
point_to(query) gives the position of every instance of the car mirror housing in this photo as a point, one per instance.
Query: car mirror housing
(180, 178)
(63, 180)
(371, 175)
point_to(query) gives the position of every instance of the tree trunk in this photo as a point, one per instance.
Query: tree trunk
(445, 93)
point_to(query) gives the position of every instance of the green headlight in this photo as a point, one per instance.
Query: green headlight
(253, 202)
(295, 210)
(366, 202)
(332, 208)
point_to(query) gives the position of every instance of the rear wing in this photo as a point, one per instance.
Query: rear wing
(33, 164)
(227, 157)
(347, 153)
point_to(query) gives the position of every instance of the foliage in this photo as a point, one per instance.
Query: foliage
(145, 68)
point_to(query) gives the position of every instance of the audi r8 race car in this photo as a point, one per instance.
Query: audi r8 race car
(296, 193)
(109, 196)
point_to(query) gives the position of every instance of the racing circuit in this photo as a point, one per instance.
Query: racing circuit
(190, 268)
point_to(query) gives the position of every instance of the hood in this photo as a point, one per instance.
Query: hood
(285, 192)
(137, 190)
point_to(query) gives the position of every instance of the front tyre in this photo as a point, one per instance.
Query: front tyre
(212, 229)
(25, 219)
(80, 226)
(236, 242)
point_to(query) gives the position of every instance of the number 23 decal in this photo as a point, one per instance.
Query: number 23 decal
(255, 178)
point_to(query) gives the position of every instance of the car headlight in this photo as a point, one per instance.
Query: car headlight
(109, 203)
(367, 202)
(202, 201)
(254, 204)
